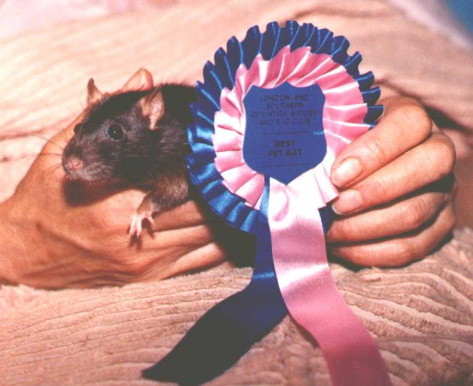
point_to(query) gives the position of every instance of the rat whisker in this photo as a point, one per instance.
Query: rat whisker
(64, 136)
(29, 156)
(57, 164)
(47, 174)
(47, 140)
(50, 169)
(43, 154)
(67, 136)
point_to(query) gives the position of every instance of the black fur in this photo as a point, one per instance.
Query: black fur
(143, 154)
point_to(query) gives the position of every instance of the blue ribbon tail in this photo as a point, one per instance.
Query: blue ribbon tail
(228, 330)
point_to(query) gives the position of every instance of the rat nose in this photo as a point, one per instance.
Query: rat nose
(74, 163)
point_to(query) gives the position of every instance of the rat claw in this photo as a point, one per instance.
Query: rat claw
(133, 221)
(136, 227)
(139, 227)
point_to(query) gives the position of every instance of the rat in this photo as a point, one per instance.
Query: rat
(137, 137)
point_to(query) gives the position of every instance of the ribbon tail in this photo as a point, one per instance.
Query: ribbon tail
(310, 292)
(228, 330)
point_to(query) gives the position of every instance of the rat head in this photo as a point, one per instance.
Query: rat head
(116, 140)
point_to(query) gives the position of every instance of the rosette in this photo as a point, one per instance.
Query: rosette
(270, 118)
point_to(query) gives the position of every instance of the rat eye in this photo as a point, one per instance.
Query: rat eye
(115, 132)
(76, 127)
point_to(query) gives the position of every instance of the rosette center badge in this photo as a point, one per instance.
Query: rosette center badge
(284, 134)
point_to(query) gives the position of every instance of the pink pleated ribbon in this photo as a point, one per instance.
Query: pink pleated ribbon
(297, 236)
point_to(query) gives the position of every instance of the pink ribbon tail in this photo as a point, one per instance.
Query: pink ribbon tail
(309, 290)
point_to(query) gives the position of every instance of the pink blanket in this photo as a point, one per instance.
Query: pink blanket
(420, 315)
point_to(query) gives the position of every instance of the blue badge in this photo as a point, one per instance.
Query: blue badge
(284, 134)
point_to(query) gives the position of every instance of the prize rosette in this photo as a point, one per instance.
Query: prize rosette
(270, 118)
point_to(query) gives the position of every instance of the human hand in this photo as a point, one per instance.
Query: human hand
(51, 238)
(405, 211)
(396, 206)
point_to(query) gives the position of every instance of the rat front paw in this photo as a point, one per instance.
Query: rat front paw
(144, 212)
(136, 223)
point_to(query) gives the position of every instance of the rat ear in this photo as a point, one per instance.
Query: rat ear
(93, 93)
(141, 80)
(152, 107)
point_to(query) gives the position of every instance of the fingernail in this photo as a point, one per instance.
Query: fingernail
(348, 170)
(347, 202)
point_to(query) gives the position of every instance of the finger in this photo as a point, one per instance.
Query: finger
(416, 168)
(402, 216)
(160, 249)
(147, 265)
(399, 250)
(208, 255)
(186, 215)
(185, 236)
(190, 260)
(404, 125)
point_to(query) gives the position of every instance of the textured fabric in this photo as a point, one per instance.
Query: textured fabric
(421, 315)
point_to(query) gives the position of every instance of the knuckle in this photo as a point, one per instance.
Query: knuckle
(96, 221)
(411, 118)
(375, 151)
(405, 251)
(134, 268)
(344, 229)
(440, 155)
(378, 190)
(416, 213)
(413, 115)
(127, 266)
(446, 150)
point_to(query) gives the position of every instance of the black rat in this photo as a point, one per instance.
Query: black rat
(136, 136)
